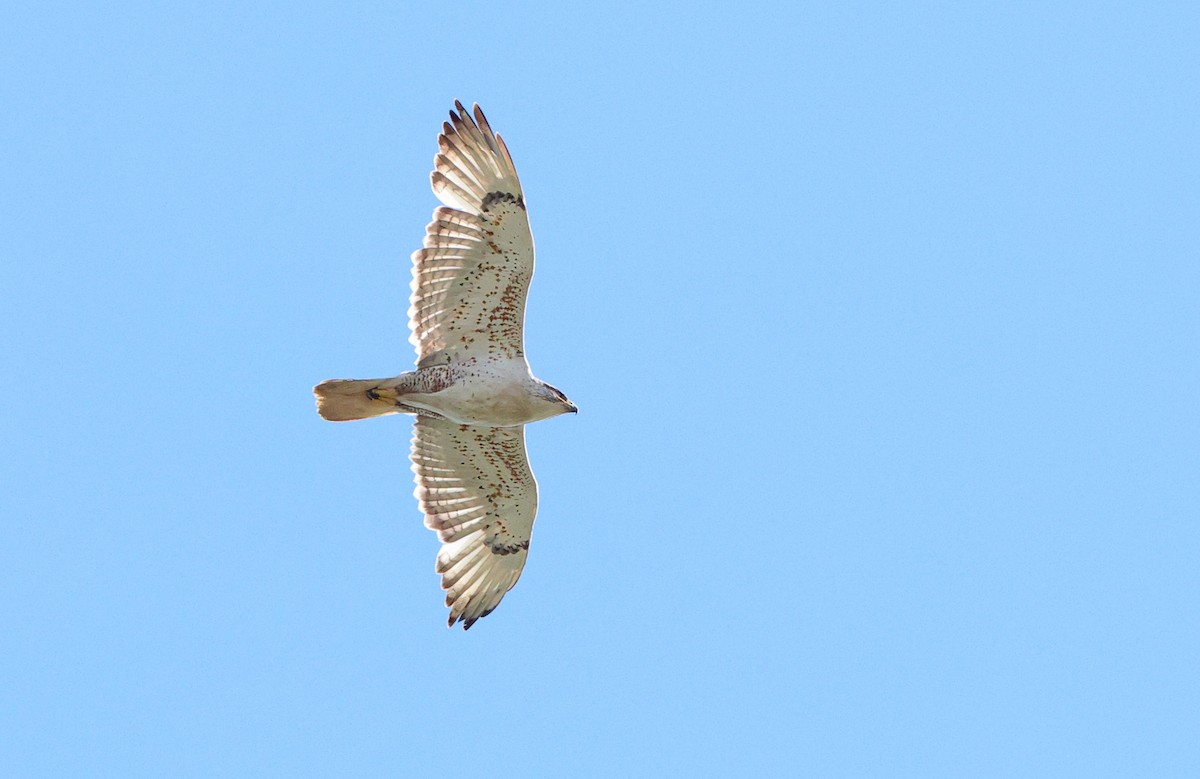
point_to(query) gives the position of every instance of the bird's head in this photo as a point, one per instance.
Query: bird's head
(557, 400)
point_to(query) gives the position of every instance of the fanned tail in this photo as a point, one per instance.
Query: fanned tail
(341, 400)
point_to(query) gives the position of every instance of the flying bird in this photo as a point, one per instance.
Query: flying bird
(472, 392)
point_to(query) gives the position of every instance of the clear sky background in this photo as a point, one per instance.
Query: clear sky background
(882, 319)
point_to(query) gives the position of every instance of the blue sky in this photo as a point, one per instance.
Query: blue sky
(882, 320)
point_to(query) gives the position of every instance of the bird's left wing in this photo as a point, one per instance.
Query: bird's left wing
(476, 490)
(471, 278)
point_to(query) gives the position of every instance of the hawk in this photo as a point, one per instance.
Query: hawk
(472, 392)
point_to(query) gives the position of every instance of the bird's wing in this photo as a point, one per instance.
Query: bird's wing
(470, 281)
(476, 490)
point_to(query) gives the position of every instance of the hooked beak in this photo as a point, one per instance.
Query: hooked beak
(572, 408)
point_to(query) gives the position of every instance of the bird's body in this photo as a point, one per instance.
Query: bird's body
(503, 394)
(472, 391)
(498, 399)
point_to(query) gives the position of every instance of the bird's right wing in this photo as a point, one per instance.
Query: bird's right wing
(476, 490)
(471, 278)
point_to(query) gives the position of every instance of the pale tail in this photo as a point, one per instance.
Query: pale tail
(340, 400)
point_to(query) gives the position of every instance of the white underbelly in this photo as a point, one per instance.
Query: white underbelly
(479, 402)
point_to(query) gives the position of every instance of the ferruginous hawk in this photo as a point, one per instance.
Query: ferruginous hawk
(472, 392)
